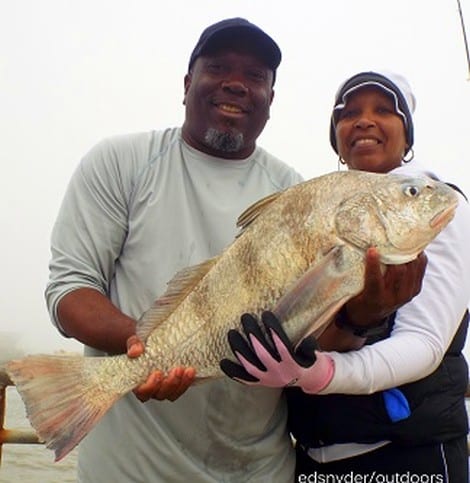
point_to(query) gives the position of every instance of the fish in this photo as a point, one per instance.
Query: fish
(299, 253)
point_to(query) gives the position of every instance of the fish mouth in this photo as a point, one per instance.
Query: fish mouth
(437, 223)
(442, 218)
(400, 258)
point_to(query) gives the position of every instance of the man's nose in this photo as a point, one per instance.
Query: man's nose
(235, 86)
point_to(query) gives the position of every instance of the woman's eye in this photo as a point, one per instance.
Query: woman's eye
(385, 110)
(348, 113)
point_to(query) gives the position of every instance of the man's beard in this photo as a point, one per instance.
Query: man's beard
(224, 142)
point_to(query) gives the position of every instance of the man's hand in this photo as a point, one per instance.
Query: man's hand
(383, 294)
(158, 386)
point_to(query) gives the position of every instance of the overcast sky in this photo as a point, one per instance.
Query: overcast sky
(73, 72)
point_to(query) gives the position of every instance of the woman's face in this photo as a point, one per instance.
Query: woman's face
(370, 135)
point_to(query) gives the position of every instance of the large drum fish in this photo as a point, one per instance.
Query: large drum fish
(300, 253)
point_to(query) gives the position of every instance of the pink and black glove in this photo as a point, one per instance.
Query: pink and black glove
(268, 358)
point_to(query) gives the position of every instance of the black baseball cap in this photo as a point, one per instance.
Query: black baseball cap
(235, 32)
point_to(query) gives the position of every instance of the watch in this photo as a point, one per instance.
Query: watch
(342, 321)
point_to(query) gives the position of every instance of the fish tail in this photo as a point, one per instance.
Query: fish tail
(63, 396)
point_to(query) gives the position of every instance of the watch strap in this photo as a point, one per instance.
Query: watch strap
(342, 321)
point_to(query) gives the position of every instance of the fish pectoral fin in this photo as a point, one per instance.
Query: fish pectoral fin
(178, 289)
(253, 211)
(318, 293)
(318, 325)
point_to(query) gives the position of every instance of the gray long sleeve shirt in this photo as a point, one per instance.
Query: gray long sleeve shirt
(137, 210)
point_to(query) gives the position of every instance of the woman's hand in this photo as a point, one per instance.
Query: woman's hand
(384, 293)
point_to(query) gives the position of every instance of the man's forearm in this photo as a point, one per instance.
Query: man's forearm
(88, 316)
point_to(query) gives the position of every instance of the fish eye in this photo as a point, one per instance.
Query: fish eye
(411, 190)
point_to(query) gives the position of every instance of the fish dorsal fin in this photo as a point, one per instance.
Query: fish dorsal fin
(178, 288)
(253, 211)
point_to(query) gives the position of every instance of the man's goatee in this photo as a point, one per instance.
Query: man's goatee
(224, 141)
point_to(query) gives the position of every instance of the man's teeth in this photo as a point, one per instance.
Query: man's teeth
(362, 142)
(229, 108)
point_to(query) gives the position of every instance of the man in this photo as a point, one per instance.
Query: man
(138, 209)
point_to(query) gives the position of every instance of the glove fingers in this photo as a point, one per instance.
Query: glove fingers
(240, 345)
(252, 328)
(273, 325)
(309, 344)
(305, 353)
(235, 371)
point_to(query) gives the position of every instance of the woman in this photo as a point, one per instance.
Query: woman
(421, 427)
(396, 406)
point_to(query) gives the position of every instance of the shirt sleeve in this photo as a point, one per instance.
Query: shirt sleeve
(90, 228)
(424, 328)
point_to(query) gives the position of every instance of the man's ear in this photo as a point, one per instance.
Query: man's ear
(270, 102)
(272, 96)
(187, 83)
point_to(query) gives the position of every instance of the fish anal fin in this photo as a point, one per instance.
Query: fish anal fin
(253, 211)
(178, 289)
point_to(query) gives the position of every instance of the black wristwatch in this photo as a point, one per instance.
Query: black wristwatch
(379, 328)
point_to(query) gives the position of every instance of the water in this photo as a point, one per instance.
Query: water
(28, 463)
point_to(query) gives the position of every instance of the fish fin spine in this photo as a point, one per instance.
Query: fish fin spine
(178, 289)
(253, 211)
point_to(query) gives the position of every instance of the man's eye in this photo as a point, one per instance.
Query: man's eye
(257, 75)
(214, 67)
